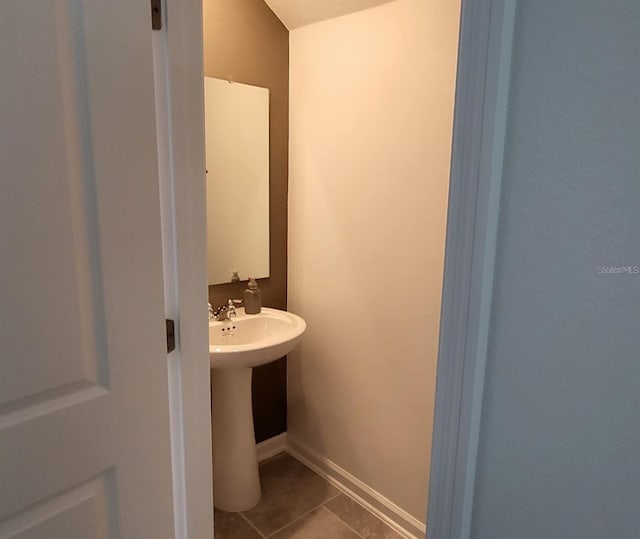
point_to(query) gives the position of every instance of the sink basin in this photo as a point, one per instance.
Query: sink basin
(235, 347)
(249, 340)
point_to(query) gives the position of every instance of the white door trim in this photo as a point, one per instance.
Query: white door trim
(484, 63)
(185, 270)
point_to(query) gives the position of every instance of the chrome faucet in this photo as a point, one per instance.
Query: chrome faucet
(224, 312)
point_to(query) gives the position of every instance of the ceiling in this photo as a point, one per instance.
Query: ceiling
(296, 13)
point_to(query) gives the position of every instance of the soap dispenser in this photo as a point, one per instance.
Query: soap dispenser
(252, 298)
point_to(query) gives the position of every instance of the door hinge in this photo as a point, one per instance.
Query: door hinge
(156, 14)
(171, 335)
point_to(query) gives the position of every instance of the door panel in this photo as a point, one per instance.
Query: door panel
(84, 511)
(84, 423)
(49, 229)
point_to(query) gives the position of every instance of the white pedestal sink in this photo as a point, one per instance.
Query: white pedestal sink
(235, 347)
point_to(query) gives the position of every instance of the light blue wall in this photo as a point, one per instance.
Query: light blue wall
(560, 433)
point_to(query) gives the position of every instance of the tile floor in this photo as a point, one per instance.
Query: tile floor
(298, 504)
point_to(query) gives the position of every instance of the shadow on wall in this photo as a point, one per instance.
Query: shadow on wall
(303, 12)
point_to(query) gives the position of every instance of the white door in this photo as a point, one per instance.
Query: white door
(84, 422)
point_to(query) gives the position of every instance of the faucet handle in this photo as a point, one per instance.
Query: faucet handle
(221, 313)
(231, 306)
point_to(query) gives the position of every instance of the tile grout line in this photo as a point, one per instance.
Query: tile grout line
(251, 524)
(371, 513)
(331, 499)
(303, 515)
(344, 521)
(378, 519)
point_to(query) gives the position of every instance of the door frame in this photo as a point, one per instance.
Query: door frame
(484, 64)
(180, 119)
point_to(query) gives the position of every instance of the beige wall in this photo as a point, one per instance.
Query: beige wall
(245, 42)
(371, 114)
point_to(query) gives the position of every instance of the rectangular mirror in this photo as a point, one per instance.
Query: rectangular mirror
(237, 157)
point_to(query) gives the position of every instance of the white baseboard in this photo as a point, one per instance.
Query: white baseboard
(272, 447)
(396, 517)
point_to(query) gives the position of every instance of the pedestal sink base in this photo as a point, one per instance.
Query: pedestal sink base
(236, 483)
(235, 347)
